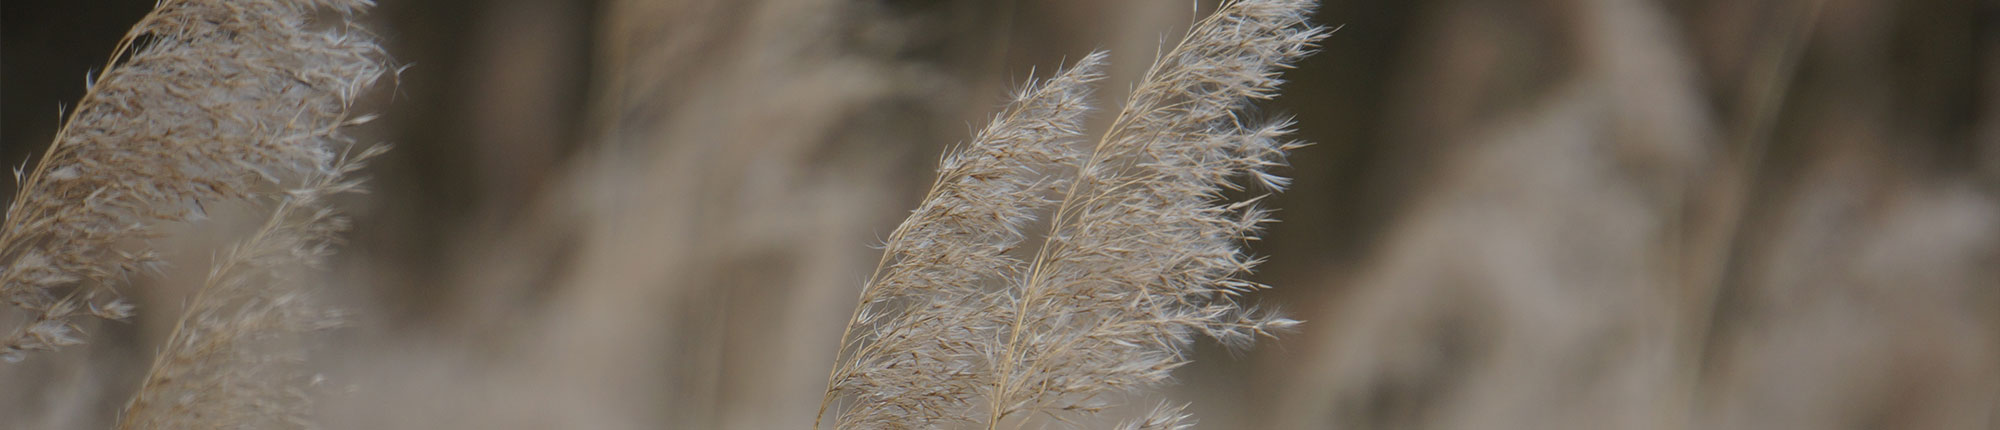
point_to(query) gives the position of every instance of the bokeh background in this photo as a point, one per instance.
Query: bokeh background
(1536, 214)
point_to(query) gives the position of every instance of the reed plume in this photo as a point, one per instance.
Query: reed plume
(918, 351)
(202, 101)
(1143, 248)
(234, 359)
(1163, 417)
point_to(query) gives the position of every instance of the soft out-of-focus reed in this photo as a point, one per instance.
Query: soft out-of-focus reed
(1562, 214)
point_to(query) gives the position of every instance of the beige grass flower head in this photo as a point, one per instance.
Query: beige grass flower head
(1143, 249)
(236, 358)
(203, 101)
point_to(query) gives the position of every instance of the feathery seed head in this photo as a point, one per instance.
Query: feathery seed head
(205, 100)
(1150, 252)
(1143, 249)
(235, 358)
(917, 354)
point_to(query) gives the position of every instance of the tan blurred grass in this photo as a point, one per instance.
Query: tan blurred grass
(1506, 223)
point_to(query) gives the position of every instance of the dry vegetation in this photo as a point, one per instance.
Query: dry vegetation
(1141, 252)
(643, 214)
(203, 101)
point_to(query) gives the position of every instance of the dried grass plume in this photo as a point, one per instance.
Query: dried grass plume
(202, 101)
(1142, 252)
(235, 359)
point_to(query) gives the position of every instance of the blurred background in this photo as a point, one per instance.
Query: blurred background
(1538, 214)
